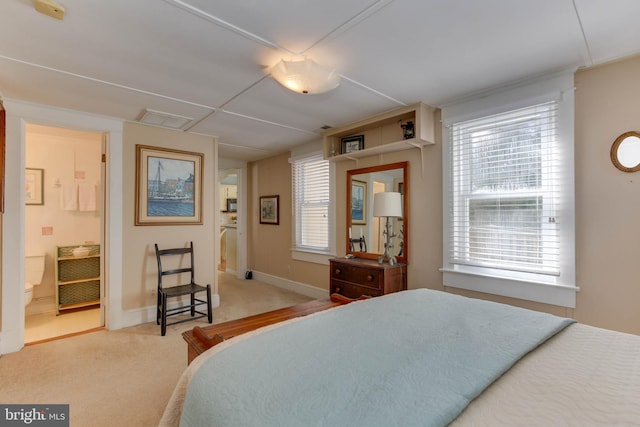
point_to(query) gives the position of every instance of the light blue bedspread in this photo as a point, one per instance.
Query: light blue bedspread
(414, 358)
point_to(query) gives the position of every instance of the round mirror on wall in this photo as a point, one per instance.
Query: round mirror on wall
(625, 152)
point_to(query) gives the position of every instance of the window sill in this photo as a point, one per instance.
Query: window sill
(311, 256)
(546, 293)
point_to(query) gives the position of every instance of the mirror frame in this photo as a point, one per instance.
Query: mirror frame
(614, 152)
(405, 199)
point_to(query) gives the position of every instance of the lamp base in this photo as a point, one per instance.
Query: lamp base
(390, 259)
(387, 245)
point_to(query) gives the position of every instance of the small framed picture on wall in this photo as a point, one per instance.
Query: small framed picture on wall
(270, 210)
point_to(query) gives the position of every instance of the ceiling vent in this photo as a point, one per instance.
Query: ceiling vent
(166, 120)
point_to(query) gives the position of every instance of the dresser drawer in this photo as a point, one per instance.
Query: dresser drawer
(351, 290)
(371, 278)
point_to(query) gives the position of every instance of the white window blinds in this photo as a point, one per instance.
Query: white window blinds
(505, 176)
(311, 203)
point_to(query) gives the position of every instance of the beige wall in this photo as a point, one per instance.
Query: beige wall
(270, 246)
(607, 200)
(607, 203)
(607, 208)
(425, 210)
(138, 258)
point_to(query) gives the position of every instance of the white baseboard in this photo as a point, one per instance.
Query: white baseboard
(298, 287)
(148, 314)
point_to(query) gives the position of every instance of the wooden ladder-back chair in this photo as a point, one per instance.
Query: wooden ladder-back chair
(358, 245)
(176, 291)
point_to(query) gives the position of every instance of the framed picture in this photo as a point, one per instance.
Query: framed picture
(232, 205)
(33, 186)
(3, 126)
(270, 210)
(358, 202)
(352, 143)
(169, 186)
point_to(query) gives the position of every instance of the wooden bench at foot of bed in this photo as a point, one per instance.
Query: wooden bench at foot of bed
(200, 339)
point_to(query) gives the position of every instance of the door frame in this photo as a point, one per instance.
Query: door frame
(18, 114)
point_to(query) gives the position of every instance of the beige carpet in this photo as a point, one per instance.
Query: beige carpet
(125, 377)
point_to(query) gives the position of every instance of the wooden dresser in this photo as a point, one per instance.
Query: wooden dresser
(356, 277)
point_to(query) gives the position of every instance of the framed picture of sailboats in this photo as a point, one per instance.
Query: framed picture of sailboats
(168, 186)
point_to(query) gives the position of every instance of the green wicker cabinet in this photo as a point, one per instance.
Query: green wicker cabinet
(77, 278)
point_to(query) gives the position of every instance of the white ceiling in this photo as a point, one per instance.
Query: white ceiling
(209, 59)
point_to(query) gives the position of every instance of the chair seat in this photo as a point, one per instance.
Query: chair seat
(187, 289)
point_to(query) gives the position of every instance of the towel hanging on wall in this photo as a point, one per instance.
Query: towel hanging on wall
(86, 197)
(69, 197)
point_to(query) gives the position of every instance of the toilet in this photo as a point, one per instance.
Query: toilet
(33, 273)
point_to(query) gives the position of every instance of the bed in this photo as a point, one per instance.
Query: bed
(418, 357)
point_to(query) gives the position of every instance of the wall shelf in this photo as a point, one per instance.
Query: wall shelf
(383, 133)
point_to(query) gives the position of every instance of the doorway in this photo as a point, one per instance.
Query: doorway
(228, 222)
(232, 218)
(63, 211)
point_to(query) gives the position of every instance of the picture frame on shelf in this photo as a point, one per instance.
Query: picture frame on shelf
(352, 143)
(270, 210)
(168, 186)
(34, 186)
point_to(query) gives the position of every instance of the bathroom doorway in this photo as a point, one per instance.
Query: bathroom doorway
(63, 232)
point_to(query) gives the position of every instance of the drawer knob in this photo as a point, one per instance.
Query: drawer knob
(338, 271)
(370, 277)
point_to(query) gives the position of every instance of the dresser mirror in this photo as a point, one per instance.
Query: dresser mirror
(364, 234)
(625, 152)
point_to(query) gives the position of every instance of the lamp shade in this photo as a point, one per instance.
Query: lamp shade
(388, 203)
(305, 76)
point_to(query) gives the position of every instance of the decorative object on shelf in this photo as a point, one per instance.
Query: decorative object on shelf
(169, 186)
(358, 202)
(352, 143)
(625, 152)
(387, 204)
(383, 133)
(34, 186)
(270, 210)
(80, 251)
(305, 76)
(408, 130)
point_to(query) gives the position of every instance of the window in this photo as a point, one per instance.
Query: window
(311, 195)
(503, 212)
(509, 221)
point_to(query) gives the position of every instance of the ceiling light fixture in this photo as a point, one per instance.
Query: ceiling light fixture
(306, 76)
(50, 8)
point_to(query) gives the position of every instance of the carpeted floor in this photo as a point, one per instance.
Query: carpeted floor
(125, 377)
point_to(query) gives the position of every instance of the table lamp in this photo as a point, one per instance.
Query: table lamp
(387, 204)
